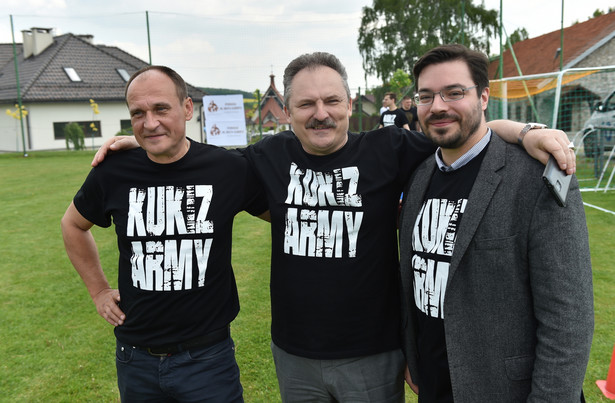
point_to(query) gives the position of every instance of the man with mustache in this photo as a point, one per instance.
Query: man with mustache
(498, 306)
(333, 198)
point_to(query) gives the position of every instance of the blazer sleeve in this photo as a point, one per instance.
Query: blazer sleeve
(561, 285)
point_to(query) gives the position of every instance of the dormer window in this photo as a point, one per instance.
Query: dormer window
(72, 74)
(124, 74)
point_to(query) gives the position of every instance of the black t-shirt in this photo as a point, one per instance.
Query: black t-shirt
(173, 224)
(412, 116)
(334, 263)
(396, 117)
(433, 241)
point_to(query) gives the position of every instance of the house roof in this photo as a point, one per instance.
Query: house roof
(272, 93)
(42, 77)
(539, 55)
(272, 103)
(365, 97)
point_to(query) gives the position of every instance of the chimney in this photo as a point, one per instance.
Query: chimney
(36, 40)
(88, 38)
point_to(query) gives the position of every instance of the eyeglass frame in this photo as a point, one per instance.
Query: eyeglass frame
(463, 94)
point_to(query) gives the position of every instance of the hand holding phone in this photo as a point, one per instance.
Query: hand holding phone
(557, 181)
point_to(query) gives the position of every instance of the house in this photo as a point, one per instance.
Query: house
(367, 103)
(587, 45)
(60, 77)
(272, 109)
(365, 113)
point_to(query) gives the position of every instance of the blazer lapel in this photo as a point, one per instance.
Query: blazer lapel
(414, 196)
(482, 192)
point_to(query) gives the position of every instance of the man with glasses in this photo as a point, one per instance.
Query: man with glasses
(497, 304)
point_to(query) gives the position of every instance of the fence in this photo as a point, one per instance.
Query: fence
(580, 102)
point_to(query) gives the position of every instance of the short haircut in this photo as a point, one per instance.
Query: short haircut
(180, 84)
(391, 95)
(477, 63)
(407, 97)
(312, 61)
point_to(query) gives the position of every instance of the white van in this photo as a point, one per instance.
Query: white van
(601, 123)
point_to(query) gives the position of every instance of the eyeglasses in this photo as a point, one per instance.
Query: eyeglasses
(451, 94)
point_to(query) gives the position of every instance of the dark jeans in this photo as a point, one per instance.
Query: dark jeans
(207, 374)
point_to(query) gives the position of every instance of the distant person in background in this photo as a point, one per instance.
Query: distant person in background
(393, 115)
(408, 107)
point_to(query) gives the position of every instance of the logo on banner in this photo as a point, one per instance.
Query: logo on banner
(215, 131)
(212, 107)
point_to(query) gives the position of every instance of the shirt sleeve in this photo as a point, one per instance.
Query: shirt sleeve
(89, 200)
(403, 119)
(255, 197)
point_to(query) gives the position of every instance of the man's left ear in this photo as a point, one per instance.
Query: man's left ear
(188, 108)
(484, 98)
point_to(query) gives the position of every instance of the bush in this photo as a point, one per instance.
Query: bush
(124, 132)
(73, 133)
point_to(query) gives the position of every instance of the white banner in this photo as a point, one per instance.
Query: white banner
(225, 122)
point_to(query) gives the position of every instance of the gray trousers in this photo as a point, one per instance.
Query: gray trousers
(374, 378)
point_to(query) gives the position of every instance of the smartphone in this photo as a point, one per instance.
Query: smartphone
(557, 181)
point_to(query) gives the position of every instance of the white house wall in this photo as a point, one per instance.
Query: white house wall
(39, 124)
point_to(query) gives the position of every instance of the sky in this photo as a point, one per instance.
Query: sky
(237, 44)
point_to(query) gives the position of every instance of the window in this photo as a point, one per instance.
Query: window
(88, 129)
(126, 126)
(517, 116)
(72, 74)
(124, 74)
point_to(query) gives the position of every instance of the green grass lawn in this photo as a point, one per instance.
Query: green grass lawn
(55, 348)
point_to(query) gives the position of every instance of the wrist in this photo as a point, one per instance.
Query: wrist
(527, 128)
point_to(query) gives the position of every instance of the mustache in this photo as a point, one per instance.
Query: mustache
(441, 116)
(328, 123)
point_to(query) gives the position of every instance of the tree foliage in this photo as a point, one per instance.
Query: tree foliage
(395, 33)
(400, 82)
(520, 34)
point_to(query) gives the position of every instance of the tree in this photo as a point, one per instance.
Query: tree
(520, 34)
(599, 12)
(395, 33)
(400, 82)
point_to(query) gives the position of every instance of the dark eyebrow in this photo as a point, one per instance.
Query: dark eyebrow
(162, 104)
(448, 87)
(156, 106)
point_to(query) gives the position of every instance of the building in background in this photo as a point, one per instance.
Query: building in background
(272, 114)
(544, 95)
(58, 76)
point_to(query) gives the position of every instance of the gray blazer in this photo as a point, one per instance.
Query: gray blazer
(518, 309)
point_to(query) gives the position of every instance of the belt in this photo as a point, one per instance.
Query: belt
(207, 340)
